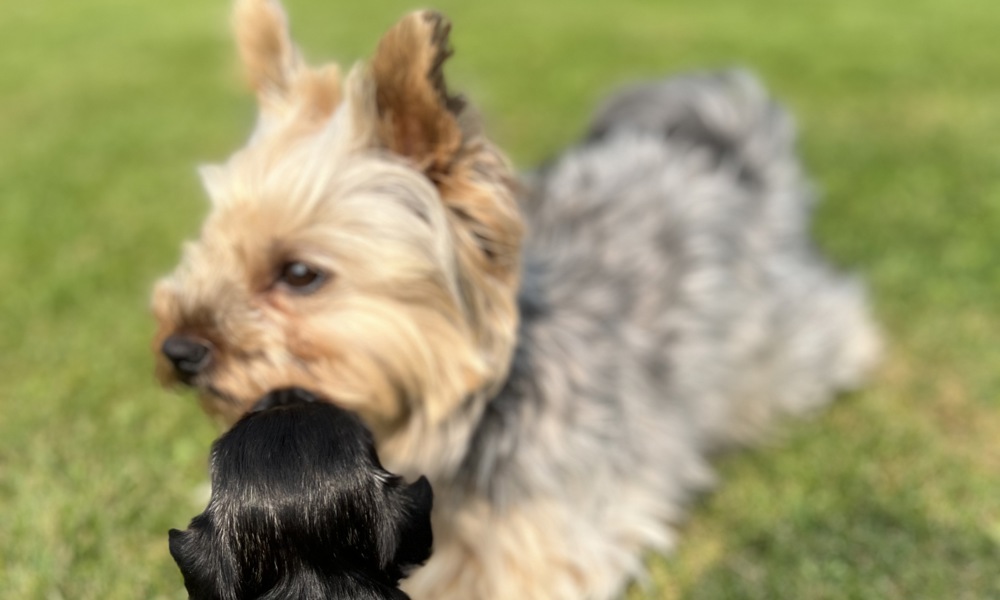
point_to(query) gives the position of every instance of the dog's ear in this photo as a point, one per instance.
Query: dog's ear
(204, 575)
(181, 549)
(419, 119)
(285, 85)
(413, 526)
(417, 116)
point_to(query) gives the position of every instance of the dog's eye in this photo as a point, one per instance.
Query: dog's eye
(301, 278)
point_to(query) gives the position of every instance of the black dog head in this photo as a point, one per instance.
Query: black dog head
(301, 508)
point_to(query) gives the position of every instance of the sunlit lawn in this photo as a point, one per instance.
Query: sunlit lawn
(107, 105)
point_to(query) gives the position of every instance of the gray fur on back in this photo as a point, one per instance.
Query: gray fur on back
(672, 304)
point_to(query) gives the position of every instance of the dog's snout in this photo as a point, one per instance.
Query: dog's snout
(189, 355)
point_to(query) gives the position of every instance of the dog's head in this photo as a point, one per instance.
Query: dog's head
(364, 243)
(301, 508)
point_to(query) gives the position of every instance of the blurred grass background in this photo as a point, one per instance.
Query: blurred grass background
(107, 105)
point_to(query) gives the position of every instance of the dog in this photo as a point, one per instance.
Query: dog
(301, 509)
(560, 354)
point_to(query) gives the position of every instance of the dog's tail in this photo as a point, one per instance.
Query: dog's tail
(822, 334)
(727, 113)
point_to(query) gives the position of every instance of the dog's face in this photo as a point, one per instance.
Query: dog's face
(301, 508)
(365, 242)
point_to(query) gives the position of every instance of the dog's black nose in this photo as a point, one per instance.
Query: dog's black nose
(189, 355)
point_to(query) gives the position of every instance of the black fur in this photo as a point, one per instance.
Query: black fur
(302, 509)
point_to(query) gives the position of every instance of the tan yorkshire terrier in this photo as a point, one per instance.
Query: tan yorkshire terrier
(560, 355)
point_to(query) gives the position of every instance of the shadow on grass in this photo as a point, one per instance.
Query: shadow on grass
(874, 551)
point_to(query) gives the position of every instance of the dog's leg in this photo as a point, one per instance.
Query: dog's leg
(541, 550)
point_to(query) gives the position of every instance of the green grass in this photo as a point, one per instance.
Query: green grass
(106, 106)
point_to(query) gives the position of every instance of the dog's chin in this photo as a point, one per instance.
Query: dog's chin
(215, 401)
(287, 396)
(226, 404)
(230, 407)
(219, 403)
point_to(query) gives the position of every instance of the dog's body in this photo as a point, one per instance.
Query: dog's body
(670, 306)
(301, 509)
(667, 303)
